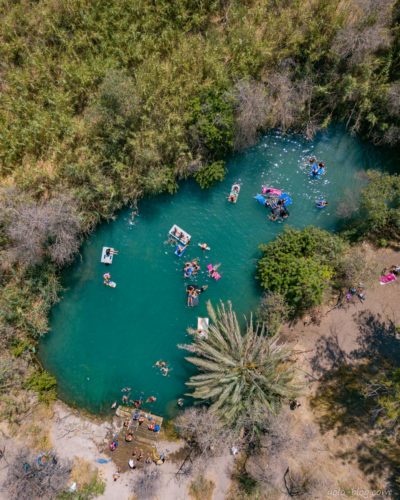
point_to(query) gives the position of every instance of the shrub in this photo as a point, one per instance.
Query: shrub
(27, 480)
(300, 265)
(210, 174)
(201, 488)
(212, 124)
(380, 208)
(272, 311)
(44, 384)
(251, 107)
(39, 230)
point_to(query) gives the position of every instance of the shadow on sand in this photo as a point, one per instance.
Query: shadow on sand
(359, 393)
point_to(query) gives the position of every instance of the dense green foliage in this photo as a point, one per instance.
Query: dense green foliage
(244, 375)
(44, 384)
(380, 207)
(300, 266)
(209, 174)
(96, 95)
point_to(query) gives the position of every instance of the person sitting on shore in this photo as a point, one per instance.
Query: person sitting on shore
(395, 270)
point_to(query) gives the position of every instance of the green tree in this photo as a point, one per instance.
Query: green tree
(300, 266)
(245, 375)
(210, 174)
(380, 207)
(212, 123)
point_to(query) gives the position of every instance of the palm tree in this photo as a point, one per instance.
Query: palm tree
(245, 376)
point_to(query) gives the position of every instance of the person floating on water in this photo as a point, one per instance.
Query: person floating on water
(111, 251)
(321, 203)
(180, 402)
(317, 169)
(204, 246)
(151, 399)
(106, 278)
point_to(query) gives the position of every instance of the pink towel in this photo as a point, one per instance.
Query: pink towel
(388, 278)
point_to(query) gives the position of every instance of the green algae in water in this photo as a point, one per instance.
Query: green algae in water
(103, 339)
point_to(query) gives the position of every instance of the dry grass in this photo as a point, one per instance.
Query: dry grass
(34, 430)
(83, 472)
(201, 488)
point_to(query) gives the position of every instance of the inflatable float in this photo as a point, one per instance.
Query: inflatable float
(287, 200)
(270, 191)
(180, 250)
(202, 327)
(213, 272)
(107, 255)
(285, 197)
(179, 235)
(261, 199)
(234, 194)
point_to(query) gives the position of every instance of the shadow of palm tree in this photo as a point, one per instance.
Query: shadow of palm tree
(349, 394)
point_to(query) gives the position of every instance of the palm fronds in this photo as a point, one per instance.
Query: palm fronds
(244, 376)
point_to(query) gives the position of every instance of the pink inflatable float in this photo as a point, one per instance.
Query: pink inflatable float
(213, 273)
(271, 190)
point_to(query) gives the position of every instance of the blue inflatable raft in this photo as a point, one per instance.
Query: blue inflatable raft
(287, 200)
(260, 198)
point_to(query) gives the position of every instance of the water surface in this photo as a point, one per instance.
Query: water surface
(103, 339)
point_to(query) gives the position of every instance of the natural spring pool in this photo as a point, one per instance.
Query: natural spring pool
(104, 339)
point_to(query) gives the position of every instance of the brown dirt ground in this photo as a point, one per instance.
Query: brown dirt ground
(316, 345)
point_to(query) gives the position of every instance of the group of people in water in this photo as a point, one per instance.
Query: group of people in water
(278, 208)
(277, 201)
(193, 292)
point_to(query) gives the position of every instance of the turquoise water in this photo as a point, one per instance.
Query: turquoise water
(103, 339)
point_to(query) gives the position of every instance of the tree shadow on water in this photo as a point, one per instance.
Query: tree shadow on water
(358, 393)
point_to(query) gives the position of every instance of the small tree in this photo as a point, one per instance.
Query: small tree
(272, 312)
(204, 431)
(300, 265)
(210, 174)
(39, 230)
(252, 106)
(28, 480)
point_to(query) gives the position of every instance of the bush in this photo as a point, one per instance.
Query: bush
(44, 384)
(380, 208)
(212, 124)
(272, 311)
(27, 480)
(247, 483)
(41, 230)
(201, 488)
(210, 174)
(300, 265)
